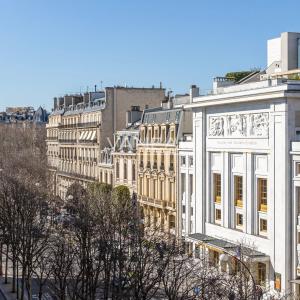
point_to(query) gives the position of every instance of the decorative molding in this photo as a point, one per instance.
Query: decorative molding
(239, 125)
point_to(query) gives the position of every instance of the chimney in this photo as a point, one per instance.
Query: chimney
(194, 92)
(55, 103)
(61, 102)
(170, 100)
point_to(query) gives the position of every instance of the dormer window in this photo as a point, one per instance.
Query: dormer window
(172, 135)
(149, 135)
(156, 135)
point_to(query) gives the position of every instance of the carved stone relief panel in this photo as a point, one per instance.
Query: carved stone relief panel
(239, 125)
(216, 126)
(259, 125)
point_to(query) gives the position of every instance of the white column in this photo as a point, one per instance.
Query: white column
(225, 190)
(250, 198)
(199, 150)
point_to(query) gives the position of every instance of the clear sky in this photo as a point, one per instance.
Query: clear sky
(52, 47)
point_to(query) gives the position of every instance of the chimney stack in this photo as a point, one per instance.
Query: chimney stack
(194, 92)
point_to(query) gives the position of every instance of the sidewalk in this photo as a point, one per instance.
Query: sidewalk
(5, 290)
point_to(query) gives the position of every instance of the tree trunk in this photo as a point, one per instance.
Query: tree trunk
(6, 264)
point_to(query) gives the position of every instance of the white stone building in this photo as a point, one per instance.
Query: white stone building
(186, 199)
(247, 174)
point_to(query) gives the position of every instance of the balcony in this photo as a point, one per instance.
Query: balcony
(52, 138)
(77, 176)
(80, 125)
(63, 141)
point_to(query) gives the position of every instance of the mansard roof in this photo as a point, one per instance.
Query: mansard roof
(162, 116)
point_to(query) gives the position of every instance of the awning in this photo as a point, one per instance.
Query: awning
(81, 135)
(89, 135)
(85, 135)
(226, 246)
(93, 136)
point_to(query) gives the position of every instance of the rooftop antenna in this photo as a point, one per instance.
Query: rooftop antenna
(95, 88)
(87, 89)
(101, 84)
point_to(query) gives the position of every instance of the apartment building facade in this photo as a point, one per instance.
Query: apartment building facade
(160, 132)
(246, 160)
(80, 126)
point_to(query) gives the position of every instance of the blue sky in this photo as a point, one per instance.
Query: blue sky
(52, 47)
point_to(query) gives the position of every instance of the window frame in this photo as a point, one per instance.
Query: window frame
(217, 188)
(238, 190)
(262, 194)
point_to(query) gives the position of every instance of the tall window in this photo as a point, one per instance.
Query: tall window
(191, 186)
(183, 189)
(163, 135)
(238, 191)
(172, 221)
(133, 172)
(155, 160)
(217, 187)
(117, 170)
(262, 194)
(183, 160)
(148, 159)
(161, 188)
(171, 192)
(239, 220)
(263, 225)
(297, 169)
(125, 170)
(215, 258)
(162, 161)
(147, 187)
(171, 168)
(261, 273)
(172, 136)
(190, 161)
(141, 160)
(218, 215)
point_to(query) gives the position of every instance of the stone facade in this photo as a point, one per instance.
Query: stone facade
(80, 126)
(160, 132)
(243, 178)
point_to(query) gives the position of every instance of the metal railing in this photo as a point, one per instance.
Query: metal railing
(81, 125)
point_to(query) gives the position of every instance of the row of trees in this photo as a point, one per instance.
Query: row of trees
(93, 245)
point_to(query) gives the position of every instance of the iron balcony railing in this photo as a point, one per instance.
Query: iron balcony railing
(69, 141)
(80, 125)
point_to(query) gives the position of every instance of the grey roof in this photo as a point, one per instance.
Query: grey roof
(225, 245)
(160, 116)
